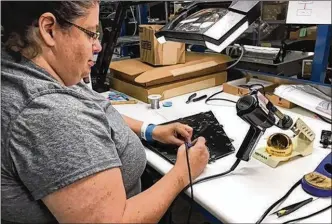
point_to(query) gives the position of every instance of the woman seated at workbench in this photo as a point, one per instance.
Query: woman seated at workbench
(67, 154)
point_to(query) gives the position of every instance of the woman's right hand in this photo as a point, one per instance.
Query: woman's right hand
(198, 159)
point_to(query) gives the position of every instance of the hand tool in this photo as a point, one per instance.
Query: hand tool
(199, 98)
(292, 208)
(191, 97)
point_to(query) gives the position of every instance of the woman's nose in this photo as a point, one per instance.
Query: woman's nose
(96, 47)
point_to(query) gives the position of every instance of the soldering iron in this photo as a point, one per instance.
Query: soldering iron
(260, 113)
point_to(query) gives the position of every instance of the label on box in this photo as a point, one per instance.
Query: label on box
(303, 32)
(146, 45)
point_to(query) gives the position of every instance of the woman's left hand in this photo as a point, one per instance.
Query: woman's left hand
(174, 133)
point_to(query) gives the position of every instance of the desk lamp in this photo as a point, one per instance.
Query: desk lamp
(210, 24)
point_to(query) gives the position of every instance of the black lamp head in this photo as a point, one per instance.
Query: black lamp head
(211, 24)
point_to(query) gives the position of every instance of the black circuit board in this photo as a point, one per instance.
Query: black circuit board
(203, 124)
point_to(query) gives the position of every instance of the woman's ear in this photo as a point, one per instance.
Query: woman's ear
(47, 29)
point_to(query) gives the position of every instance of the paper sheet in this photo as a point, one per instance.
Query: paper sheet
(307, 97)
(309, 12)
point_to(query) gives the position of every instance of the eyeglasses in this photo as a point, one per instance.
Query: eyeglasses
(91, 34)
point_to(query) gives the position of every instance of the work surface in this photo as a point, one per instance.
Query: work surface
(243, 195)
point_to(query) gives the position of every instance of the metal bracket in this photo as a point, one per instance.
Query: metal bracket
(322, 48)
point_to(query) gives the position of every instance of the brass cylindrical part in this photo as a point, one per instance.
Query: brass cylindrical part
(279, 145)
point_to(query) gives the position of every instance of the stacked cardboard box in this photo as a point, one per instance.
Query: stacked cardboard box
(139, 79)
(166, 69)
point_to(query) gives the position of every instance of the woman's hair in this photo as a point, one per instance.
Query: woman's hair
(20, 21)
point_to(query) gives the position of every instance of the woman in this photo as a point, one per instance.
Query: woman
(67, 155)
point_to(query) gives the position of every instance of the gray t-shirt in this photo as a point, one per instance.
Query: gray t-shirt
(52, 136)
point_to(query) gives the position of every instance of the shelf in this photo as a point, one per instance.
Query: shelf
(157, 22)
(127, 41)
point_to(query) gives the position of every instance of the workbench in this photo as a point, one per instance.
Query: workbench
(243, 195)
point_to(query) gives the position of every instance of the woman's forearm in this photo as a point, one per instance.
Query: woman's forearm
(150, 205)
(135, 125)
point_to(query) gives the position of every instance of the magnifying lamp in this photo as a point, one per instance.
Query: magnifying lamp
(210, 24)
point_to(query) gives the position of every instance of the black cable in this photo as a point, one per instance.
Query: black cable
(216, 175)
(209, 98)
(257, 84)
(214, 95)
(215, 99)
(203, 180)
(203, 126)
(237, 60)
(232, 101)
(220, 99)
(251, 86)
(308, 216)
(226, 69)
(324, 119)
(190, 184)
(278, 202)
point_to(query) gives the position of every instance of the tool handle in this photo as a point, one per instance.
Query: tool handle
(192, 96)
(249, 143)
(199, 98)
(294, 207)
(190, 144)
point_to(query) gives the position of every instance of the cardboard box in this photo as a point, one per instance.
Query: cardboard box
(139, 73)
(170, 89)
(308, 33)
(234, 87)
(154, 53)
(278, 101)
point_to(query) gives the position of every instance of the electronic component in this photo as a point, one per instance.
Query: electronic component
(205, 125)
(307, 69)
(326, 138)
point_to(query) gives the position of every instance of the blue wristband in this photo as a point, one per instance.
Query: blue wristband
(148, 132)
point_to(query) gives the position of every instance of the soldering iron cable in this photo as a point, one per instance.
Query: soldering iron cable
(284, 198)
(216, 175)
(187, 145)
